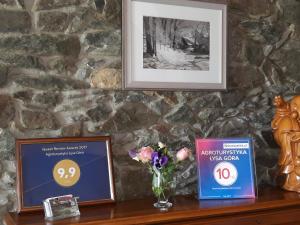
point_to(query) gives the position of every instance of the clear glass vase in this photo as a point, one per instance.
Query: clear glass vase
(163, 188)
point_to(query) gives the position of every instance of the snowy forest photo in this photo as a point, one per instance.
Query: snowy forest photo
(176, 44)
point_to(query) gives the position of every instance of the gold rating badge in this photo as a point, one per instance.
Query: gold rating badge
(66, 173)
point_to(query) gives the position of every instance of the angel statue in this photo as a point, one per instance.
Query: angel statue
(286, 130)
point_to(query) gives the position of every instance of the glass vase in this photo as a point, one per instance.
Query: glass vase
(163, 187)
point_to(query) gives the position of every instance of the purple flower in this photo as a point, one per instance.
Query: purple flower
(133, 154)
(159, 160)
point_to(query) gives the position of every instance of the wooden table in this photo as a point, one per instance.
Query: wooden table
(273, 206)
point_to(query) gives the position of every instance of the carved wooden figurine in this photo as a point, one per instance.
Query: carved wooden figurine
(286, 130)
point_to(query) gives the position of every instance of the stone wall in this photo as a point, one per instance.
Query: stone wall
(57, 58)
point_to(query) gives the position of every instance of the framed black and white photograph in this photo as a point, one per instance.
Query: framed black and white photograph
(174, 44)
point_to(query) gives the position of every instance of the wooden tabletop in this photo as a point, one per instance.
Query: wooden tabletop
(271, 205)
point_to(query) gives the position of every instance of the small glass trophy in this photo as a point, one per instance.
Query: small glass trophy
(60, 207)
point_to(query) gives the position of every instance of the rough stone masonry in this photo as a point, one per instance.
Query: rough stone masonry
(60, 75)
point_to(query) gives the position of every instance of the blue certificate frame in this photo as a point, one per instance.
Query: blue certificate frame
(61, 166)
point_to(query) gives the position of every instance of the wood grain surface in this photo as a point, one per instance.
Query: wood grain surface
(272, 206)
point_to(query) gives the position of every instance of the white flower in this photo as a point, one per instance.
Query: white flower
(161, 145)
(136, 158)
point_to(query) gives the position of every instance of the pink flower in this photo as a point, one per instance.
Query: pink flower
(183, 154)
(145, 154)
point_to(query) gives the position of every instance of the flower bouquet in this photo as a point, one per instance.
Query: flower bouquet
(162, 163)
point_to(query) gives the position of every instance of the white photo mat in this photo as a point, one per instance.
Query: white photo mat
(137, 77)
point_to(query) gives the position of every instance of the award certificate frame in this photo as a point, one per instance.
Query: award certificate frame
(226, 168)
(60, 166)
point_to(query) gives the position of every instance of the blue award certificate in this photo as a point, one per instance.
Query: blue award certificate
(55, 167)
(225, 168)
